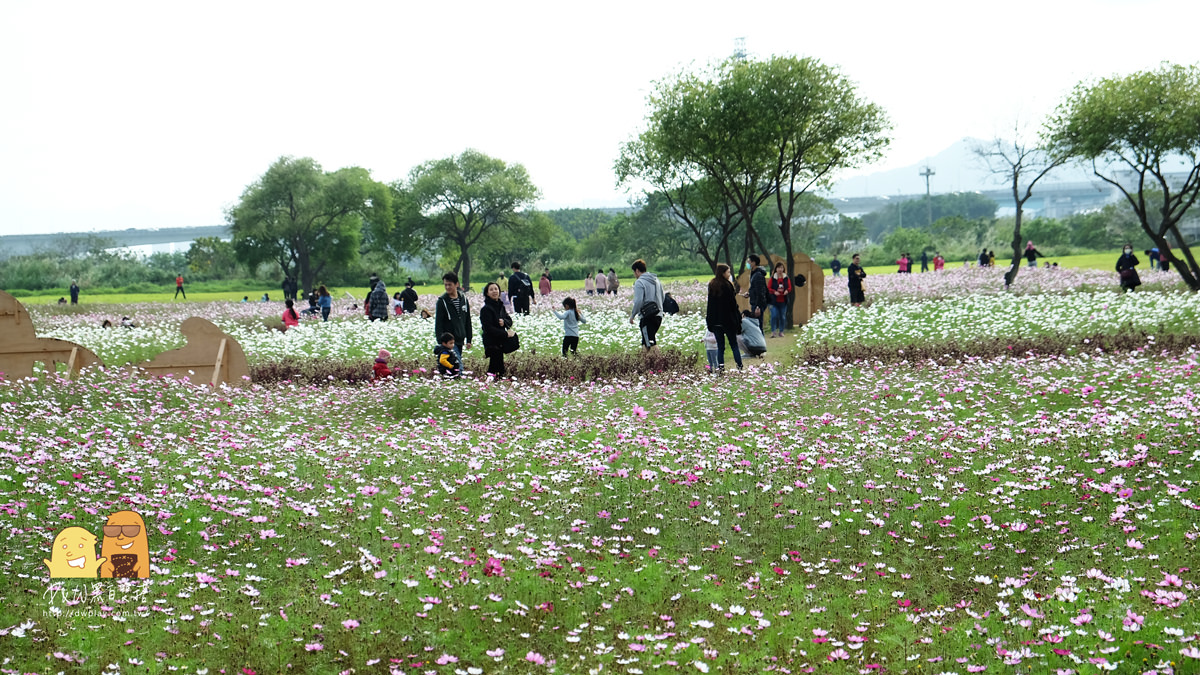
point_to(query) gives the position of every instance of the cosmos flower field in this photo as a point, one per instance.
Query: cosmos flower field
(1022, 513)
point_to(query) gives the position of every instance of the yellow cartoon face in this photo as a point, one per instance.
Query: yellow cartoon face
(74, 555)
(125, 547)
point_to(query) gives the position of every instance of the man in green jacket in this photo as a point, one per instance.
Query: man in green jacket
(452, 314)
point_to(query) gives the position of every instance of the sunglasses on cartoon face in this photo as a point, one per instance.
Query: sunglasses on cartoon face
(116, 530)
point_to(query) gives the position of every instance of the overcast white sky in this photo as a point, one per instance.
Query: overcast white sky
(129, 114)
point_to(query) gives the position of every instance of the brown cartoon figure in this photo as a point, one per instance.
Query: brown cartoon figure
(74, 555)
(126, 547)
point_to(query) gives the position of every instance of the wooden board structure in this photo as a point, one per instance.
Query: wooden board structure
(805, 301)
(20, 347)
(210, 356)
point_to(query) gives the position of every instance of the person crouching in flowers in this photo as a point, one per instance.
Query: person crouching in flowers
(448, 365)
(381, 365)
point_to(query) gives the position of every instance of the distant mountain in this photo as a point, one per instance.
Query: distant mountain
(956, 169)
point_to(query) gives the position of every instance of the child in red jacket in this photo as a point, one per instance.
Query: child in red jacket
(381, 365)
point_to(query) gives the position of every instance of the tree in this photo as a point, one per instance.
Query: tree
(842, 230)
(814, 123)
(695, 202)
(1139, 125)
(305, 219)
(906, 240)
(212, 257)
(463, 199)
(753, 130)
(1021, 164)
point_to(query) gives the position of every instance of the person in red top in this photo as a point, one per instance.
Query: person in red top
(179, 287)
(290, 318)
(381, 365)
(902, 263)
(938, 262)
(780, 288)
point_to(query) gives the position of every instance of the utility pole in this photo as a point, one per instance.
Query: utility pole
(928, 200)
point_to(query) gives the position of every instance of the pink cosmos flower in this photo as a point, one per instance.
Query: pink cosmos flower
(839, 654)
(534, 657)
(350, 624)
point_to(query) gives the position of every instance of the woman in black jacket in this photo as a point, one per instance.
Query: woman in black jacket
(497, 327)
(1125, 268)
(722, 315)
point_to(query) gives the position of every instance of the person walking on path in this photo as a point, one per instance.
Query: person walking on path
(1032, 254)
(378, 303)
(613, 282)
(857, 293)
(647, 303)
(325, 302)
(781, 291)
(571, 318)
(938, 262)
(601, 282)
(902, 264)
(74, 292)
(589, 284)
(544, 284)
(453, 314)
(496, 326)
(757, 292)
(836, 267)
(179, 287)
(924, 261)
(520, 289)
(721, 315)
(1125, 268)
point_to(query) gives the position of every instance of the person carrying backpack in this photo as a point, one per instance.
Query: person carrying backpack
(647, 303)
(520, 289)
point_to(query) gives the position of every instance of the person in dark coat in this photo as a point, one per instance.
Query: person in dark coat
(408, 298)
(452, 314)
(520, 289)
(758, 289)
(378, 303)
(1032, 254)
(856, 274)
(924, 261)
(722, 316)
(670, 305)
(74, 292)
(1125, 267)
(836, 267)
(496, 326)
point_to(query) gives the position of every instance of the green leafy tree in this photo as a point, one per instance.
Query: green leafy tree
(907, 240)
(212, 257)
(462, 201)
(838, 232)
(696, 204)
(753, 131)
(1133, 129)
(304, 219)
